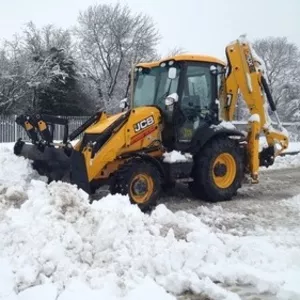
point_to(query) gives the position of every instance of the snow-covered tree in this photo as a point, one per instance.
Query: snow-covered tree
(282, 62)
(111, 38)
(38, 73)
(14, 72)
(241, 111)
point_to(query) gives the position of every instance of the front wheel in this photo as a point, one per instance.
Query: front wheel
(218, 170)
(140, 180)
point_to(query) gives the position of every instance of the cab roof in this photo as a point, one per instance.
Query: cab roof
(184, 57)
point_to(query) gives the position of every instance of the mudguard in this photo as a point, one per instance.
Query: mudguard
(206, 132)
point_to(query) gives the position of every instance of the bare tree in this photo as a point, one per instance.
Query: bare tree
(174, 51)
(110, 39)
(39, 41)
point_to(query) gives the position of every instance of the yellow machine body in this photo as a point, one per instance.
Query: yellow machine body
(127, 148)
(142, 128)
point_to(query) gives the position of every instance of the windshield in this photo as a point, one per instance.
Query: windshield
(153, 86)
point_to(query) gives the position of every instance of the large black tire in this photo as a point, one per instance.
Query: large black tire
(213, 165)
(140, 180)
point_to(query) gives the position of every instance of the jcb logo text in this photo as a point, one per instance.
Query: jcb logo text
(143, 124)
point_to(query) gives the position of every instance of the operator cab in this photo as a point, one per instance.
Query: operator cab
(185, 89)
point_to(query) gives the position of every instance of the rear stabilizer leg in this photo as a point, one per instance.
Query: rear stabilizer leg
(253, 147)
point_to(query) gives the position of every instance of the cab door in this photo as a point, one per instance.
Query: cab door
(196, 99)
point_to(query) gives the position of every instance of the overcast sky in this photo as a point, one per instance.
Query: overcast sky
(204, 26)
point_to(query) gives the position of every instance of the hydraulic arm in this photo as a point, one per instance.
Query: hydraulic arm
(244, 76)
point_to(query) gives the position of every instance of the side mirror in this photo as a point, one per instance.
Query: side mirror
(172, 73)
(123, 104)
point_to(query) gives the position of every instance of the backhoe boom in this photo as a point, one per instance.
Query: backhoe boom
(244, 75)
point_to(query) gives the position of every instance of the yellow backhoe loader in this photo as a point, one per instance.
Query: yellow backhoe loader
(181, 104)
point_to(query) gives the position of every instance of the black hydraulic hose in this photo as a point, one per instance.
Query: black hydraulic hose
(66, 133)
(104, 136)
(268, 93)
(85, 125)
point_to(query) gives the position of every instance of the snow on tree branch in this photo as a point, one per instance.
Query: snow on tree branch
(110, 39)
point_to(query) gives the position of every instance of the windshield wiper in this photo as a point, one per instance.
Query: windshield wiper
(165, 94)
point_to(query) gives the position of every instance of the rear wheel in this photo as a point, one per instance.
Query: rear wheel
(218, 171)
(140, 180)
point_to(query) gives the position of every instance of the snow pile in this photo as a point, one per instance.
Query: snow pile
(6, 147)
(15, 175)
(58, 246)
(15, 171)
(57, 238)
(176, 156)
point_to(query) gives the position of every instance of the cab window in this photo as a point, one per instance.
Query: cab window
(196, 98)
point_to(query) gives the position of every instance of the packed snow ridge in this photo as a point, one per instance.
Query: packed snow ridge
(55, 245)
(224, 125)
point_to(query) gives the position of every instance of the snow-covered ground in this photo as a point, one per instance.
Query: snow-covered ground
(288, 161)
(55, 245)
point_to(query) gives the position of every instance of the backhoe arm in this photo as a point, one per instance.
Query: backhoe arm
(244, 75)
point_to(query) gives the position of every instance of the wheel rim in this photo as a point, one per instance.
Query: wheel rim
(224, 170)
(141, 188)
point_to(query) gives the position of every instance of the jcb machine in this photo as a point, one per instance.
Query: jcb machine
(182, 104)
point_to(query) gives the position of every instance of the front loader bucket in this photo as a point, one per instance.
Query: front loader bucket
(57, 161)
(47, 160)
